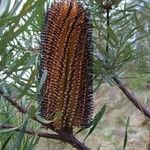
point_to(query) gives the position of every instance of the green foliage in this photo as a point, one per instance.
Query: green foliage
(96, 120)
(126, 36)
(20, 27)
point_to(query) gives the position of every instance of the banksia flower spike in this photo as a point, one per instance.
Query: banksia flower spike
(67, 93)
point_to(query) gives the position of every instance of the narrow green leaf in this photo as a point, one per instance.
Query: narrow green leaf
(28, 85)
(96, 120)
(6, 142)
(116, 21)
(20, 136)
(116, 2)
(4, 7)
(126, 133)
(112, 35)
(26, 143)
(15, 7)
(9, 35)
(8, 130)
(33, 142)
(8, 20)
(129, 44)
(17, 63)
(31, 111)
(138, 23)
(100, 48)
(124, 24)
(5, 59)
(43, 78)
(109, 41)
(26, 7)
(8, 118)
(84, 128)
(129, 35)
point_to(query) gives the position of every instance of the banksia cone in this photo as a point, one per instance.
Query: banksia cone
(67, 56)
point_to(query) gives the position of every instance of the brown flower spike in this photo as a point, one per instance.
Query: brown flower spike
(67, 93)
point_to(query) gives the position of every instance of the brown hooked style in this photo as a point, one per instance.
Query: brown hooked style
(67, 93)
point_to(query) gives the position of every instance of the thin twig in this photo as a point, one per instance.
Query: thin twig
(31, 132)
(13, 102)
(132, 98)
(16, 104)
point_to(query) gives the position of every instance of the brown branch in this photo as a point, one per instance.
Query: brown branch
(132, 98)
(16, 105)
(13, 103)
(31, 132)
(62, 136)
(65, 137)
(20, 108)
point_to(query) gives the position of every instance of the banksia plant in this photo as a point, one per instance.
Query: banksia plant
(67, 93)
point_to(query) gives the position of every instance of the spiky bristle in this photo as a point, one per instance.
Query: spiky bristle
(67, 56)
